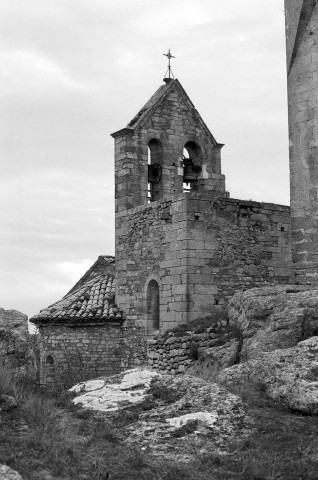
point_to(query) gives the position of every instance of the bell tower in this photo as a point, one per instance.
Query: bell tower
(166, 159)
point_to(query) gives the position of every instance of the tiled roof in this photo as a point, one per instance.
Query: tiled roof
(104, 264)
(91, 302)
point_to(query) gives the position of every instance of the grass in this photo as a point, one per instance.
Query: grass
(46, 435)
(218, 323)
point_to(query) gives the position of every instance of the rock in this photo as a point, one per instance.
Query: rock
(6, 473)
(7, 403)
(212, 360)
(113, 393)
(289, 376)
(274, 317)
(16, 321)
(16, 350)
(179, 416)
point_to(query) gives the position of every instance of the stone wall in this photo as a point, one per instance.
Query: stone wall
(201, 251)
(72, 354)
(174, 355)
(246, 244)
(302, 66)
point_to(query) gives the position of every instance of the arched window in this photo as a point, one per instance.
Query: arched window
(192, 165)
(154, 170)
(153, 307)
(50, 360)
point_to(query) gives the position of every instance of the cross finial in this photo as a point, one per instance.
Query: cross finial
(169, 71)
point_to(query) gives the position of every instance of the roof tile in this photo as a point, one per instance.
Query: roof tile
(92, 302)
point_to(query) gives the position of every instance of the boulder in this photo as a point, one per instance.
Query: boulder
(213, 359)
(273, 318)
(289, 376)
(7, 402)
(6, 473)
(174, 417)
(14, 321)
(16, 351)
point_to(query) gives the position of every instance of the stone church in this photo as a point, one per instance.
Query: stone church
(183, 246)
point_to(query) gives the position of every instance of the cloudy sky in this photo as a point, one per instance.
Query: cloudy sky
(74, 71)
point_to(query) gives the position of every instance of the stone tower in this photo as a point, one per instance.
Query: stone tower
(166, 160)
(302, 68)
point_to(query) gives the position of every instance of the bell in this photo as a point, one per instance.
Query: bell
(191, 171)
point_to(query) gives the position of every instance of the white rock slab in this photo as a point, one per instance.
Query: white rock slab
(116, 392)
(205, 418)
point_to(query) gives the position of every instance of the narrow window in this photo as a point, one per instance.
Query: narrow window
(153, 305)
(154, 170)
(192, 165)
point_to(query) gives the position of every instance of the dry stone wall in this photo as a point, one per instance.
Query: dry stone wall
(75, 353)
(175, 355)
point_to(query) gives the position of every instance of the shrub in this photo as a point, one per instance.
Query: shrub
(7, 382)
(163, 392)
(40, 411)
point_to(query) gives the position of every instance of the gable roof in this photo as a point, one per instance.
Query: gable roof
(157, 98)
(91, 300)
(104, 263)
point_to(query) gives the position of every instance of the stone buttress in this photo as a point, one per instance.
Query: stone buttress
(302, 68)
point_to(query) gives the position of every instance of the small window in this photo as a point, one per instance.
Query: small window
(192, 165)
(154, 170)
(153, 305)
(50, 360)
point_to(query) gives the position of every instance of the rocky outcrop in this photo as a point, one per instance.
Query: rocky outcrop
(214, 359)
(179, 416)
(6, 473)
(17, 349)
(273, 318)
(289, 376)
(16, 321)
(7, 403)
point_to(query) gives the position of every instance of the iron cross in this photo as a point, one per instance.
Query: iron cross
(169, 66)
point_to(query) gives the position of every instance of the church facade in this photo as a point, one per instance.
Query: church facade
(183, 247)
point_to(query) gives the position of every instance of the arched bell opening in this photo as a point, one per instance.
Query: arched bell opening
(192, 165)
(154, 170)
(153, 306)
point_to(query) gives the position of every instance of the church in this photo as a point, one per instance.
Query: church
(183, 247)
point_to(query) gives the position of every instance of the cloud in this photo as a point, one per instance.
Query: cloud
(51, 231)
(25, 72)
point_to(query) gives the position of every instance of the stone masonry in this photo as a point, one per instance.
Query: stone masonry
(302, 67)
(197, 245)
(174, 355)
(71, 354)
(201, 251)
